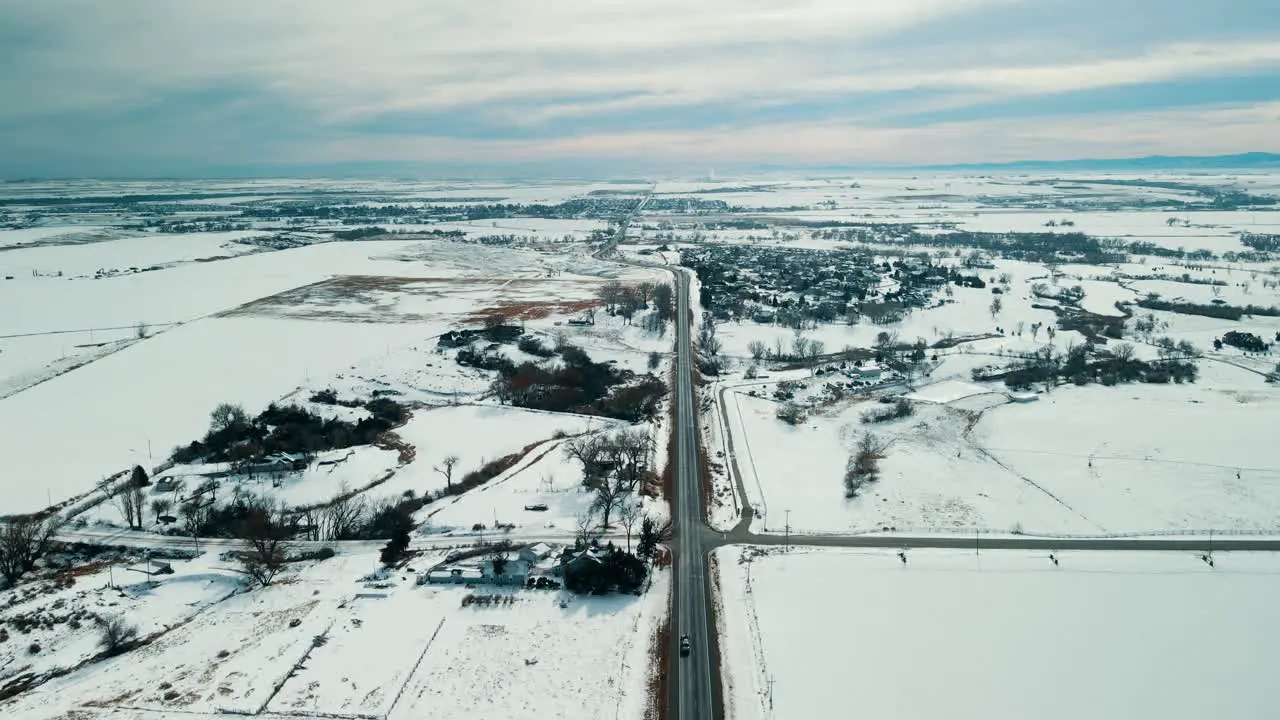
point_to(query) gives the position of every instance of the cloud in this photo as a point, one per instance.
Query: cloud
(187, 85)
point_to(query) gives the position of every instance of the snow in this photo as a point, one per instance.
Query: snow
(159, 393)
(151, 608)
(138, 251)
(266, 343)
(477, 434)
(1091, 460)
(1146, 456)
(1100, 297)
(999, 635)
(947, 391)
(321, 643)
(537, 659)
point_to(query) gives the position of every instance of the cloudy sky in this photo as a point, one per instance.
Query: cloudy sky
(195, 87)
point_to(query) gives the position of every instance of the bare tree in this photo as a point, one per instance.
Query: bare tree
(265, 548)
(609, 495)
(343, 515)
(779, 350)
(161, 506)
(863, 466)
(631, 448)
(195, 514)
(655, 359)
(226, 416)
(757, 348)
(116, 634)
(996, 306)
(130, 500)
(588, 450)
(23, 541)
(886, 340)
(610, 294)
(1123, 353)
(800, 347)
(586, 527)
(628, 515)
(710, 345)
(814, 351)
(445, 468)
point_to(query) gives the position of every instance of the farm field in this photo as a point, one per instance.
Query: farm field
(1128, 632)
(289, 648)
(1058, 465)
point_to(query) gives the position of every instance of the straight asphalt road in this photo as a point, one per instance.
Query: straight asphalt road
(692, 690)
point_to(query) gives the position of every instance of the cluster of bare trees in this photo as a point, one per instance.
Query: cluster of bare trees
(626, 300)
(351, 516)
(863, 466)
(613, 466)
(1169, 349)
(131, 498)
(23, 541)
(802, 349)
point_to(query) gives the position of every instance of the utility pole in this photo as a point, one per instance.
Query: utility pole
(771, 681)
(787, 529)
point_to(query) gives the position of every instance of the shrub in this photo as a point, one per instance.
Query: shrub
(791, 413)
(900, 408)
(289, 429)
(325, 397)
(533, 346)
(116, 634)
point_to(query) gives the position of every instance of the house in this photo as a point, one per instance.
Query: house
(279, 463)
(480, 571)
(453, 575)
(870, 371)
(535, 554)
(572, 559)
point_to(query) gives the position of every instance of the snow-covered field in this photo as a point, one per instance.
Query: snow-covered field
(157, 393)
(136, 251)
(321, 643)
(1092, 460)
(1000, 635)
(65, 631)
(134, 406)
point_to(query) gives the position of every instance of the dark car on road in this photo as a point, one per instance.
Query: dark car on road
(684, 645)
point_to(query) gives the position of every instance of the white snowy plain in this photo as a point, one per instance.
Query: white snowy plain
(998, 636)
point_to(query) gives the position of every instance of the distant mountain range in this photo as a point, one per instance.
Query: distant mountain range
(1241, 161)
